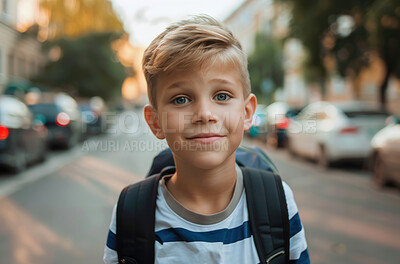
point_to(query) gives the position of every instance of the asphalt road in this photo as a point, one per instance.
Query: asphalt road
(59, 211)
(347, 219)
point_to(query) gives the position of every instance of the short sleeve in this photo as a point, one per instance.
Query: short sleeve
(298, 244)
(110, 253)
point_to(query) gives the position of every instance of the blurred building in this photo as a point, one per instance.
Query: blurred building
(254, 16)
(272, 18)
(20, 54)
(365, 86)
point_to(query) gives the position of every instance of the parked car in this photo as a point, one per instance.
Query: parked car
(22, 138)
(92, 113)
(385, 157)
(61, 116)
(259, 125)
(279, 115)
(329, 132)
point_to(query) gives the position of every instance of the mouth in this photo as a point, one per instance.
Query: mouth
(206, 138)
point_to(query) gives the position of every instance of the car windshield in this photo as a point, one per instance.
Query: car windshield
(83, 108)
(293, 112)
(48, 110)
(365, 113)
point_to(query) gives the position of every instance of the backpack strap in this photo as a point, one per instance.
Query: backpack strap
(268, 215)
(266, 204)
(136, 220)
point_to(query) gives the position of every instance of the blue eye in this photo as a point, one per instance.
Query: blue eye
(222, 97)
(180, 100)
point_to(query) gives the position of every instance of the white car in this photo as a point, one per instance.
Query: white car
(385, 157)
(329, 132)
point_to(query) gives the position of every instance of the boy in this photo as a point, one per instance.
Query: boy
(200, 102)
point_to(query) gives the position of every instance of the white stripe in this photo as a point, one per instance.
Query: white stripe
(242, 251)
(113, 224)
(298, 244)
(110, 256)
(291, 204)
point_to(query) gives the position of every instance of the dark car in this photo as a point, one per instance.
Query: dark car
(91, 121)
(92, 114)
(279, 115)
(22, 138)
(62, 118)
(386, 153)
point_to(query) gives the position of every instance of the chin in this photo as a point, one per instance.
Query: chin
(210, 160)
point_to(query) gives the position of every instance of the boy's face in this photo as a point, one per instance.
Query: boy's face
(202, 114)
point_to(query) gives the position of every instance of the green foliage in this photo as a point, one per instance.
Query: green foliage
(385, 18)
(376, 28)
(87, 66)
(266, 67)
(385, 32)
(78, 17)
(316, 22)
(351, 52)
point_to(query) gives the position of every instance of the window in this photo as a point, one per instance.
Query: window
(5, 7)
(21, 68)
(306, 114)
(33, 68)
(365, 113)
(1, 65)
(11, 65)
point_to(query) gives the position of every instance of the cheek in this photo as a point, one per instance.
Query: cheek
(174, 122)
(234, 120)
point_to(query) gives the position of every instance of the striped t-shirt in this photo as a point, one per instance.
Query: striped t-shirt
(183, 236)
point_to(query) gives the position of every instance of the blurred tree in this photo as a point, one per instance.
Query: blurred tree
(73, 18)
(385, 28)
(79, 36)
(347, 31)
(85, 66)
(266, 67)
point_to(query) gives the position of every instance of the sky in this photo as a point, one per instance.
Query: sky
(145, 19)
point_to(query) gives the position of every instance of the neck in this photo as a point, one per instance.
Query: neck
(204, 191)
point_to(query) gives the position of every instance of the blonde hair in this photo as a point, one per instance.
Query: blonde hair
(191, 43)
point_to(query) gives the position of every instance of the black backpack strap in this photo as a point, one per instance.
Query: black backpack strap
(136, 220)
(268, 215)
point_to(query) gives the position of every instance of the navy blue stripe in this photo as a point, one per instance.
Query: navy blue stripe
(304, 258)
(111, 240)
(295, 225)
(225, 236)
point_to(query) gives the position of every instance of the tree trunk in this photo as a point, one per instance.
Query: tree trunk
(322, 84)
(357, 87)
(384, 86)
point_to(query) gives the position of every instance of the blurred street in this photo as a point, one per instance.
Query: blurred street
(326, 75)
(59, 211)
(347, 219)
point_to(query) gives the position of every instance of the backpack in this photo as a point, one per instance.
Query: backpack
(246, 157)
(266, 203)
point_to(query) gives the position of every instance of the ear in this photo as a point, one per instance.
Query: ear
(250, 108)
(151, 117)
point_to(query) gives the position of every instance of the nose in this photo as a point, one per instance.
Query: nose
(204, 112)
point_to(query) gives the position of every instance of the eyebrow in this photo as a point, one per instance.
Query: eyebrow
(175, 85)
(182, 84)
(224, 81)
